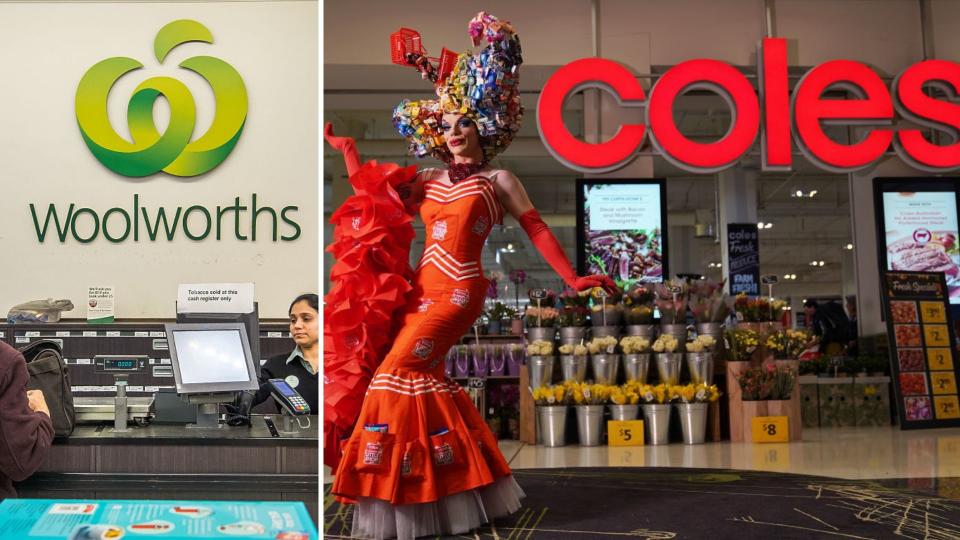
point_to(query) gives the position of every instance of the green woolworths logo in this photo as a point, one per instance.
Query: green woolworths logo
(170, 152)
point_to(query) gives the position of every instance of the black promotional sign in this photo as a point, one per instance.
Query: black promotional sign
(922, 349)
(743, 251)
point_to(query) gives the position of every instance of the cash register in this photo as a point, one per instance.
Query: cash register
(211, 363)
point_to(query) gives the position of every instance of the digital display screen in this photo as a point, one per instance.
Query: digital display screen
(621, 230)
(210, 356)
(284, 388)
(120, 364)
(921, 233)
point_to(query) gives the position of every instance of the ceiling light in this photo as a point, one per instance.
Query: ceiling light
(799, 193)
(768, 225)
(813, 193)
(821, 263)
(849, 247)
(509, 247)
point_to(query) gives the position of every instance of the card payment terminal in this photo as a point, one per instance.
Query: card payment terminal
(288, 398)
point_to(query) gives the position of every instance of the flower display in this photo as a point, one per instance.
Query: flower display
(767, 383)
(708, 303)
(628, 394)
(590, 394)
(696, 393)
(549, 299)
(788, 343)
(602, 345)
(634, 344)
(665, 344)
(760, 309)
(598, 294)
(671, 301)
(576, 350)
(703, 343)
(540, 348)
(574, 316)
(658, 394)
(500, 311)
(742, 342)
(570, 297)
(541, 317)
(552, 395)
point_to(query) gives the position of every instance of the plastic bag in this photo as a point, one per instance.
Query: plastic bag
(39, 311)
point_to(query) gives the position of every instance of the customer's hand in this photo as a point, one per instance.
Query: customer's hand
(37, 402)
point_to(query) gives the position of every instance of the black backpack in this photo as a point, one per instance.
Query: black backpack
(49, 374)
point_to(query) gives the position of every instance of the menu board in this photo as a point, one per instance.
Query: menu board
(620, 229)
(743, 249)
(46, 519)
(920, 234)
(922, 354)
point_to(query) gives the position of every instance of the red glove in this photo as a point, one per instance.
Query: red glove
(548, 246)
(346, 146)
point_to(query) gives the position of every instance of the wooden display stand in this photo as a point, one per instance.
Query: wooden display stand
(743, 412)
(528, 411)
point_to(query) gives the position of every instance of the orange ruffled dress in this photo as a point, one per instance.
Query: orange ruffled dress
(421, 460)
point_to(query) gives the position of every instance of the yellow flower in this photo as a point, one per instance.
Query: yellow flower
(687, 393)
(870, 391)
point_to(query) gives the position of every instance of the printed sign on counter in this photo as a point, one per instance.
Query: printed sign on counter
(100, 301)
(770, 429)
(215, 298)
(924, 371)
(46, 519)
(625, 432)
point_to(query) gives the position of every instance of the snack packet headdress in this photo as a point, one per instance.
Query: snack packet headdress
(483, 86)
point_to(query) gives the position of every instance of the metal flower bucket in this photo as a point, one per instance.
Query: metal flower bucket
(700, 366)
(572, 335)
(604, 331)
(657, 419)
(589, 424)
(636, 367)
(612, 317)
(668, 367)
(679, 331)
(693, 421)
(553, 424)
(574, 367)
(624, 412)
(712, 329)
(541, 333)
(606, 367)
(541, 370)
(648, 331)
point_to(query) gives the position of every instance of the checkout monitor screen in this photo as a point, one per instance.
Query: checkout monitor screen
(210, 356)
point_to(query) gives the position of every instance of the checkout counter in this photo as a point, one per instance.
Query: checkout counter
(173, 443)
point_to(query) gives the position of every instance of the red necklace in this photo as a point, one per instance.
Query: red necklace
(462, 171)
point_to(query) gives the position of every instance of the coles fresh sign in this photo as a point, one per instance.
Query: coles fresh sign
(775, 116)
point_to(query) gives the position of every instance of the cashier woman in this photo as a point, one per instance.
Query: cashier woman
(300, 367)
(25, 427)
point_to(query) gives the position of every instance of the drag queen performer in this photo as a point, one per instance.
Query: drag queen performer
(420, 459)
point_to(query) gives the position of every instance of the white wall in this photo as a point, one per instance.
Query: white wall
(47, 47)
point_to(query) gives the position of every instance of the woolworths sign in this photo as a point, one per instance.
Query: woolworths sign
(175, 152)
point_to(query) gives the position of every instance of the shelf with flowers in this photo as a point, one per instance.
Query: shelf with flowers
(574, 316)
(604, 360)
(743, 344)
(767, 391)
(540, 317)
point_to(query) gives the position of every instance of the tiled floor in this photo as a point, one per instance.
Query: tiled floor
(853, 453)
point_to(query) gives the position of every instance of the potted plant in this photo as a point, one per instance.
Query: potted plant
(625, 401)
(760, 314)
(604, 359)
(552, 405)
(691, 402)
(515, 357)
(518, 277)
(700, 359)
(574, 315)
(573, 362)
(590, 401)
(541, 316)
(636, 358)
(540, 362)
(655, 403)
(787, 344)
(496, 315)
(638, 310)
(668, 360)
(767, 391)
(742, 344)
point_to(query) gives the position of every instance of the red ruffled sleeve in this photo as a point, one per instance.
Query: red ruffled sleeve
(371, 242)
